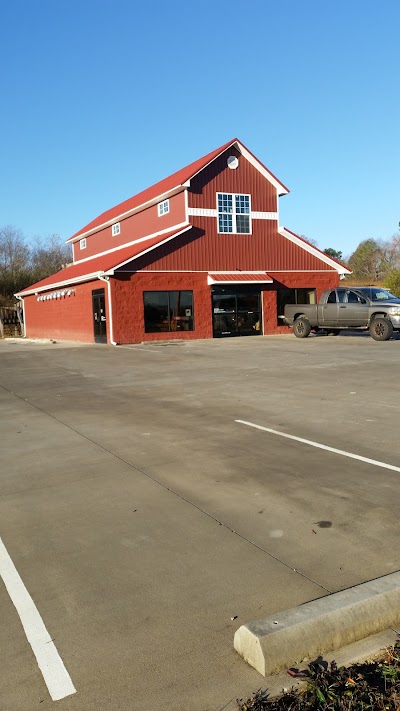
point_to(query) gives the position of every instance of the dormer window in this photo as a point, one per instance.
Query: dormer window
(163, 207)
(116, 229)
(234, 213)
(82, 243)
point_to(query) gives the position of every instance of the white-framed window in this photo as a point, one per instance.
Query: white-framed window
(82, 243)
(163, 207)
(234, 213)
(116, 229)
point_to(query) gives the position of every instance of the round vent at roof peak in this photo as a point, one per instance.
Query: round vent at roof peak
(233, 162)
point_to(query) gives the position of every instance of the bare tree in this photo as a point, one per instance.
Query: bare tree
(390, 252)
(22, 265)
(311, 241)
(14, 260)
(49, 256)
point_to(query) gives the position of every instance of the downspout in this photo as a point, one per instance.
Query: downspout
(23, 312)
(106, 279)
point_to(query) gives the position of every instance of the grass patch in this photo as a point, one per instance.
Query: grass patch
(371, 686)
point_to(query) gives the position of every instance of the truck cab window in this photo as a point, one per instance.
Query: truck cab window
(332, 299)
(353, 298)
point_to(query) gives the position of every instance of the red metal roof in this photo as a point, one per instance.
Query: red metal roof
(234, 278)
(173, 181)
(91, 267)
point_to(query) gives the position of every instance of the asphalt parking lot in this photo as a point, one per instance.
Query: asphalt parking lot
(142, 514)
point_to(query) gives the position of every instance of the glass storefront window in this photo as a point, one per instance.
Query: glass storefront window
(236, 310)
(168, 311)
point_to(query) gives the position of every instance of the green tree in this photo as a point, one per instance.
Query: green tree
(366, 261)
(392, 282)
(334, 253)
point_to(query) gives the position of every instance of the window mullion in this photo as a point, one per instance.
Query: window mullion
(250, 223)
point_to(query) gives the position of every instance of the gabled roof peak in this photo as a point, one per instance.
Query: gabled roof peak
(173, 184)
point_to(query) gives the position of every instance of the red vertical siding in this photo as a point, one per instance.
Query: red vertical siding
(143, 223)
(217, 177)
(203, 249)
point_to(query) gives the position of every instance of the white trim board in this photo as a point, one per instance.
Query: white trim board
(154, 246)
(233, 214)
(57, 285)
(128, 213)
(130, 244)
(312, 250)
(264, 216)
(95, 275)
(211, 281)
(212, 212)
(280, 188)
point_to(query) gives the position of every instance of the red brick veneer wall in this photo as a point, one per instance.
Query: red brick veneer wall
(292, 280)
(69, 318)
(128, 306)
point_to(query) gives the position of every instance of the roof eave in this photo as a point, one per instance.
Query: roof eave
(340, 268)
(280, 187)
(163, 196)
(59, 284)
(112, 270)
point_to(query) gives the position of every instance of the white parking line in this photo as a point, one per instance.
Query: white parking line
(375, 462)
(57, 679)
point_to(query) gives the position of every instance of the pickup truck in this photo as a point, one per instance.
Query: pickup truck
(357, 308)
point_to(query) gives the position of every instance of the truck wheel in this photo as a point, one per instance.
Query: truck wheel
(301, 327)
(380, 328)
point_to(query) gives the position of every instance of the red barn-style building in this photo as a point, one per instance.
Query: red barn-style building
(198, 255)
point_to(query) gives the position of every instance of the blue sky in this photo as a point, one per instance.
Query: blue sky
(102, 99)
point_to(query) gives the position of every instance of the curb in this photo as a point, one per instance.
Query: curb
(320, 626)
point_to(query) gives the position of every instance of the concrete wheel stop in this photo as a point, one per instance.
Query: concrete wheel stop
(324, 625)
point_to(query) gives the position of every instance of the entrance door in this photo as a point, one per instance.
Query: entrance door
(236, 311)
(99, 316)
